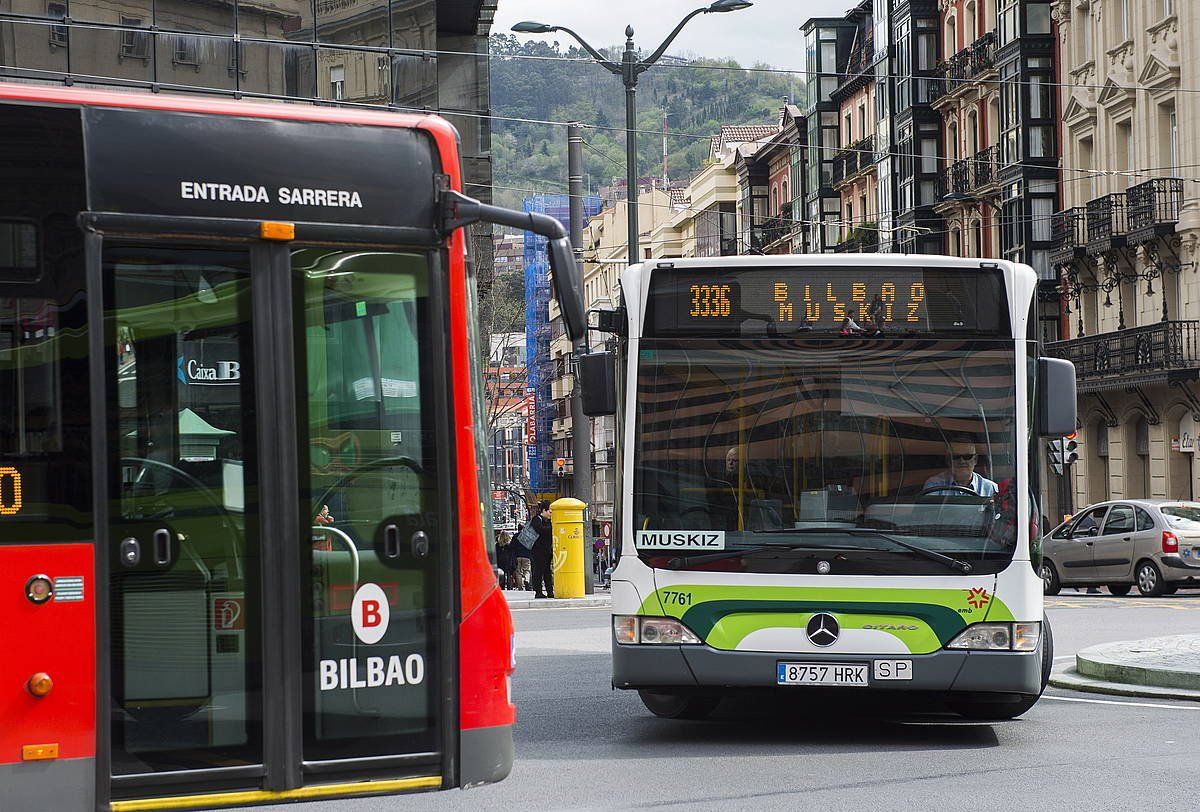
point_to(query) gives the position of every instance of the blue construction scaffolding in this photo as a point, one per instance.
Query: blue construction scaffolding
(537, 334)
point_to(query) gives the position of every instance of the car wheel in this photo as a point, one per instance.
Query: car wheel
(1050, 583)
(1149, 580)
(669, 705)
(1120, 590)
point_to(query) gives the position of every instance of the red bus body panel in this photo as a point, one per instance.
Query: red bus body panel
(486, 630)
(57, 637)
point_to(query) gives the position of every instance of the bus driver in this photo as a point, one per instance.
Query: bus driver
(960, 471)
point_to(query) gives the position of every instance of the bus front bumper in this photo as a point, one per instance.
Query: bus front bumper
(701, 666)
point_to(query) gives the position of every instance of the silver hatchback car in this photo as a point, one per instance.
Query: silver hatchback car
(1153, 544)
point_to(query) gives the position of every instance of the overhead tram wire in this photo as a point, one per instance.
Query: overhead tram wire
(863, 223)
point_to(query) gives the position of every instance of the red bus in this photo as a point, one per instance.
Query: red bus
(243, 530)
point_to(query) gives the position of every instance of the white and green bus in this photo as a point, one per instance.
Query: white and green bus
(828, 480)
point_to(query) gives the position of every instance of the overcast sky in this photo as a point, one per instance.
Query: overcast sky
(768, 32)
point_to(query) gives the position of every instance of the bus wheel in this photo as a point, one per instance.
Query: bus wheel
(1120, 590)
(1149, 579)
(983, 711)
(1050, 583)
(678, 706)
(1047, 651)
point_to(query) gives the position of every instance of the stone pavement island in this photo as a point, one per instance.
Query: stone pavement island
(1162, 667)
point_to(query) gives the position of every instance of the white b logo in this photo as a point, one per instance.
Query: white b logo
(370, 613)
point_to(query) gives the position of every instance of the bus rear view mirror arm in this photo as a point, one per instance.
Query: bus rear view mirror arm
(458, 210)
(1056, 414)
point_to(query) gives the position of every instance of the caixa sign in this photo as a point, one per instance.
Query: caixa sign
(215, 373)
(370, 616)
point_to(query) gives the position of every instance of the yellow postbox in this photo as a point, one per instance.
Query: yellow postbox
(566, 518)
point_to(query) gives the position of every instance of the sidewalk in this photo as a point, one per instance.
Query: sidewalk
(518, 599)
(1159, 667)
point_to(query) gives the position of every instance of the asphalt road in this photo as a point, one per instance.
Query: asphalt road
(581, 745)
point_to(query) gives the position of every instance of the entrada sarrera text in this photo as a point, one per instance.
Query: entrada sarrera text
(284, 195)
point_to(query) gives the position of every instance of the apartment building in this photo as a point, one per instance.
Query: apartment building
(1124, 245)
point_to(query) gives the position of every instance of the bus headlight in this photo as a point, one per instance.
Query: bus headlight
(998, 637)
(668, 631)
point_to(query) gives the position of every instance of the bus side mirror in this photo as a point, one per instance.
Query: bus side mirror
(598, 384)
(1056, 414)
(568, 286)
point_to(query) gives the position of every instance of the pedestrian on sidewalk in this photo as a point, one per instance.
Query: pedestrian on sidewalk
(523, 552)
(543, 552)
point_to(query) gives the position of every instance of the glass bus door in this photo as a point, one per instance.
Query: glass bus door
(281, 590)
(185, 547)
(378, 560)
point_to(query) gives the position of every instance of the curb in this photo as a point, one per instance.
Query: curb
(1160, 662)
(591, 602)
(1067, 677)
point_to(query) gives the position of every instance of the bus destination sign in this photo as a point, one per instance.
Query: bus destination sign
(718, 302)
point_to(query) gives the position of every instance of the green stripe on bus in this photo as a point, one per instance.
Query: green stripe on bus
(945, 611)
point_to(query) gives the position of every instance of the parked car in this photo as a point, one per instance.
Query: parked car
(1153, 544)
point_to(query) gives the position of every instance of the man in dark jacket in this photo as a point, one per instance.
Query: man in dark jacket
(543, 552)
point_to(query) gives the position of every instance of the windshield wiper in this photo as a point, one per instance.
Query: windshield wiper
(706, 558)
(954, 563)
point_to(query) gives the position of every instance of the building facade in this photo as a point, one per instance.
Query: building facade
(1124, 245)
(407, 55)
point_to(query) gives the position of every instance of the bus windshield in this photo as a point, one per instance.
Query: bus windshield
(890, 457)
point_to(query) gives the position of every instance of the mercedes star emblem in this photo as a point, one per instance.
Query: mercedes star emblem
(823, 567)
(822, 629)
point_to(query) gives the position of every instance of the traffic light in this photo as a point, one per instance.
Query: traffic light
(1055, 450)
(1070, 449)
(560, 466)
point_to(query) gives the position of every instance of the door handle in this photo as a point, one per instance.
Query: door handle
(131, 552)
(1127, 538)
(1088, 543)
(420, 544)
(391, 541)
(162, 546)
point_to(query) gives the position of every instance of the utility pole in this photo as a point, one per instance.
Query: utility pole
(581, 426)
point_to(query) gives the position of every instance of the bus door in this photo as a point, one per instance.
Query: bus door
(185, 551)
(234, 530)
(380, 564)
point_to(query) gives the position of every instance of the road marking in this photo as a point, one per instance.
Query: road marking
(1116, 702)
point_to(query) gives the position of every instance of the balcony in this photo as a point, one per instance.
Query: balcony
(853, 159)
(604, 457)
(1152, 354)
(862, 239)
(858, 68)
(560, 429)
(1107, 224)
(972, 62)
(963, 179)
(1068, 230)
(1152, 208)
(767, 233)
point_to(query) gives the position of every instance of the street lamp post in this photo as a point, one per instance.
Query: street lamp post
(629, 69)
